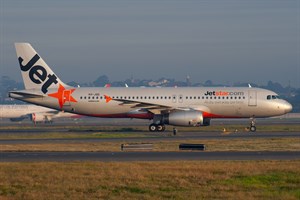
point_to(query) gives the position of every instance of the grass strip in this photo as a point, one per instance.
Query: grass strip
(151, 180)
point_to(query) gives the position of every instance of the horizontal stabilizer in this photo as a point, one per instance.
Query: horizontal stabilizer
(25, 95)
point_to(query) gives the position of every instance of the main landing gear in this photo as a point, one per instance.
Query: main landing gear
(252, 127)
(157, 127)
(160, 128)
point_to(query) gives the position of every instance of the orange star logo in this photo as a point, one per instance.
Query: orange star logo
(107, 98)
(63, 95)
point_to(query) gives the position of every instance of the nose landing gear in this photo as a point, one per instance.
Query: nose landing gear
(252, 127)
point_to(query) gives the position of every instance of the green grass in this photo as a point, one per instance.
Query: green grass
(49, 132)
(239, 144)
(274, 184)
(151, 180)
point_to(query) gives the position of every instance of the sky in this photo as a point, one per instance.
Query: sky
(223, 41)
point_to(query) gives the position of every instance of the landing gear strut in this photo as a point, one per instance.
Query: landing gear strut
(252, 127)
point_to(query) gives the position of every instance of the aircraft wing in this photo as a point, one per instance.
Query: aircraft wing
(154, 108)
(139, 104)
(18, 119)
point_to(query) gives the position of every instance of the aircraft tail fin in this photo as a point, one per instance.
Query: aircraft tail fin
(35, 72)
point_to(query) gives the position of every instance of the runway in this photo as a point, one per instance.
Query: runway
(150, 137)
(145, 156)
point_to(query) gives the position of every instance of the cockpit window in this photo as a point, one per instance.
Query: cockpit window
(273, 97)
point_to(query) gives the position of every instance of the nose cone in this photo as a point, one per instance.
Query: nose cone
(288, 107)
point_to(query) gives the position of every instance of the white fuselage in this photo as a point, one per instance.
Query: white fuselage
(15, 111)
(26, 111)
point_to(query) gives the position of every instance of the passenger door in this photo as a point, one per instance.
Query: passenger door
(252, 98)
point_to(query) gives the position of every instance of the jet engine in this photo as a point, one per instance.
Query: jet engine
(186, 118)
(37, 117)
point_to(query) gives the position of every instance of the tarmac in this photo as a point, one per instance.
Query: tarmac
(142, 155)
(145, 156)
(150, 137)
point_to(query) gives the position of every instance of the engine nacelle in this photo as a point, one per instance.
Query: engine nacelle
(37, 117)
(186, 118)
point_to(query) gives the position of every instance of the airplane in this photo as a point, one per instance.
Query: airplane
(188, 106)
(37, 114)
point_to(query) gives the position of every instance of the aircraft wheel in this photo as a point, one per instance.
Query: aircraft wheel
(161, 127)
(153, 127)
(252, 128)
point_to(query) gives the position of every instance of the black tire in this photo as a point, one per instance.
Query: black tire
(160, 127)
(152, 127)
(252, 128)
